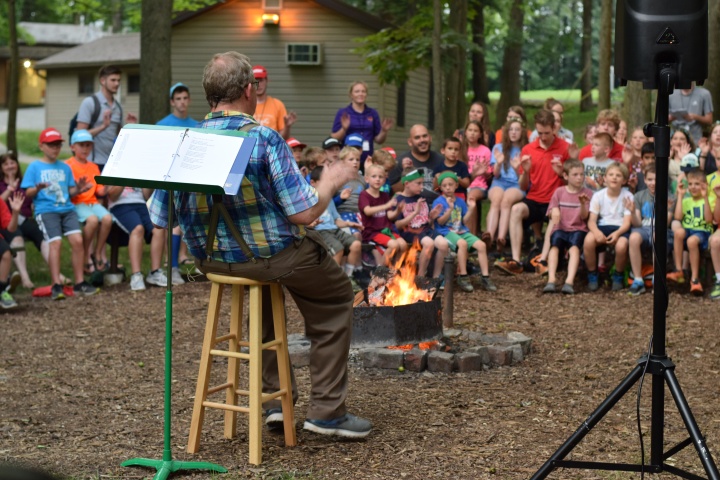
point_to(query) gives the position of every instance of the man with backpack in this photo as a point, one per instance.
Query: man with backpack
(102, 115)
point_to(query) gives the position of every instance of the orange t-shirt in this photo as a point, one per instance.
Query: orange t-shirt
(88, 170)
(271, 113)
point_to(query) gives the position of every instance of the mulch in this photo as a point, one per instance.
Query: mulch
(81, 390)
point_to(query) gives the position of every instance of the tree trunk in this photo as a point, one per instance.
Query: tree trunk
(479, 67)
(586, 102)
(510, 74)
(713, 81)
(438, 94)
(605, 54)
(155, 71)
(13, 90)
(636, 106)
(117, 15)
(455, 78)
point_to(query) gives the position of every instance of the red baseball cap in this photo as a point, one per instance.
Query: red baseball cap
(259, 72)
(294, 142)
(391, 151)
(50, 135)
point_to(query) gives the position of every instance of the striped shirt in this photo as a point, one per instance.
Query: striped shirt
(271, 190)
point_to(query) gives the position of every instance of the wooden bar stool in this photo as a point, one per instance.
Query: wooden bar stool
(255, 395)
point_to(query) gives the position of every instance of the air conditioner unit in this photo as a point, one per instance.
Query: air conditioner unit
(303, 54)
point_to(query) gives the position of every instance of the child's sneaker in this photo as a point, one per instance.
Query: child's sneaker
(56, 293)
(618, 282)
(696, 287)
(464, 283)
(176, 277)
(593, 284)
(511, 267)
(549, 288)
(7, 301)
(136, 282)
(487, 284)
(715, 292)
(637, 287)
(568, 289)
(84, 288)
(157, 278)
(677, 277)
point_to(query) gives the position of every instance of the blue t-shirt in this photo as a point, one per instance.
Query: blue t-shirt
(455, 222)
(460, 169)
(508, 175)
(328, 217)
(55, 198)
(173, 121)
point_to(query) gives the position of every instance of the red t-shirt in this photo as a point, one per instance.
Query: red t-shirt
(543, 179)
(379, 221)
(615, 152)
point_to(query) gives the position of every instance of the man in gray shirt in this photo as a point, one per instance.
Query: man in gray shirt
(106, 126)
(691, 109)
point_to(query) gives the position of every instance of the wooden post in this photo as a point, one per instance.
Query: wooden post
(449, 272)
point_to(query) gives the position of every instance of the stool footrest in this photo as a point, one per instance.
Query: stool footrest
(224, 353)
(224, 406)
(218, 388)
(266, 397)
(224, 338)
(271, 345)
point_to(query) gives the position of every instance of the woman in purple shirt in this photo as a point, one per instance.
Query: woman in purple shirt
(361, 119)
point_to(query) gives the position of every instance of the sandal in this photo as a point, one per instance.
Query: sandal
(89, 269)
(100, 266)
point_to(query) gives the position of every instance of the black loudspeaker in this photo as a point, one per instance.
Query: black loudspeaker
(650, 33)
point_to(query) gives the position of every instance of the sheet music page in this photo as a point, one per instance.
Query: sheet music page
(205, 158)
(143, 154)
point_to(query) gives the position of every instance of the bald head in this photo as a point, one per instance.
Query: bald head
(419, 141)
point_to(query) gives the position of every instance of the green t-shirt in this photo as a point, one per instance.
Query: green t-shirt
(694, 215)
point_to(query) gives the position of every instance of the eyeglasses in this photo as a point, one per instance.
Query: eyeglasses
(255, 83)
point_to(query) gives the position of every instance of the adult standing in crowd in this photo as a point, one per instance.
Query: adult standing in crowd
(419, 156)
(271, 111)
(691, 109)
(103, 123)
(478, 112)
(271, 211)
(358, 118)
(556, 107)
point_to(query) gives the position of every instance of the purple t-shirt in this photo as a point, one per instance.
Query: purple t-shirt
(367, 124)
(569, 203)
(26, 210)
(379, 221)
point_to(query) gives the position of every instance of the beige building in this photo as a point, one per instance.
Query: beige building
(308, 55)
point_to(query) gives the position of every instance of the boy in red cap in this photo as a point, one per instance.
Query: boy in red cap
(270, 111)
(51, 183)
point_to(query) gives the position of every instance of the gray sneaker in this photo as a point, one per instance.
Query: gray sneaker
(568, 289)
(84, 288)
(136, 282)
(57, 292)
(176, 277)
(487, 284)
(7, 301)
(348, 426)
(464, 284)
(157, 278)
(549, 288)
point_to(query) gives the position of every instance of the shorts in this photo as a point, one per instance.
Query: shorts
(337, 240)
(505, 185)
(130, 215)
(31, 231)
(453, 238)
(382, 239)
(55, 225)
(566, 240)
(5, 247)
(538, 212)
(608, 229)
(483, 191)
(646, 233)
(87, 210)
(350, 217)
(410, 237)
(701, 234)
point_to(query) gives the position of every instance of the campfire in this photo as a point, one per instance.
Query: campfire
(398, 309)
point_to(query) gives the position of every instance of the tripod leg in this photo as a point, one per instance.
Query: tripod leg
(691, 425)
(591, 421)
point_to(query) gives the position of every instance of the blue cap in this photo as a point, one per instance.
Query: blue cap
(354, 140)
(81, 136)
(175, 87)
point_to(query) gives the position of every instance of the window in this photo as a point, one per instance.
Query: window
(400, 120)
(86, 83)
(134, 83)
(431, 104)
(303, 54)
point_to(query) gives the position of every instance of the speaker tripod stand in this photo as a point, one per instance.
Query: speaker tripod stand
(657, 364)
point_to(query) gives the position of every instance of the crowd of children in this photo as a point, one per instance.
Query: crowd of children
(598, 202)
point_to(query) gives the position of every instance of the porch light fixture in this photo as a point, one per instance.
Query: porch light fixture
(271, 18)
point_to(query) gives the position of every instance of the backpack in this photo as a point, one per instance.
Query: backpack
(93, 118)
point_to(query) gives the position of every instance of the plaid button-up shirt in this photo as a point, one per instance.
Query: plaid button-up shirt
(271, 190)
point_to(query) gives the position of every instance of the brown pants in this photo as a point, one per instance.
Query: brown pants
(324, 296)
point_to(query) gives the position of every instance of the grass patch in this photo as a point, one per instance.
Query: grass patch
(564, 96)
(27, 142)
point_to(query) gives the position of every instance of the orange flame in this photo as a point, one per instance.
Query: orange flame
(401, 289)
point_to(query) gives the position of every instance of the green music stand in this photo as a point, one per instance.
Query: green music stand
(166, 466)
